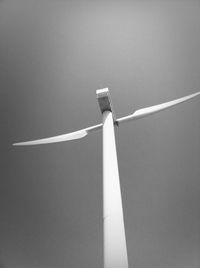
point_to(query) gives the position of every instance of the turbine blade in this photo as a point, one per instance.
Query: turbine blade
(65, 137)
(156, 108)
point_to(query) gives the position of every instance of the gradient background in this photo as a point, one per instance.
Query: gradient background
(53, 57)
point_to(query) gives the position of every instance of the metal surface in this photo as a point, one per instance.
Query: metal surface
(105, 102)
(115, 251)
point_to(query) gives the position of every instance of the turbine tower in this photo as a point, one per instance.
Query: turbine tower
(115, 249)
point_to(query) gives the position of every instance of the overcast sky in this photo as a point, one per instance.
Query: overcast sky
(53, 57)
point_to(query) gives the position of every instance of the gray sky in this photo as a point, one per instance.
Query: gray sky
(53, 57)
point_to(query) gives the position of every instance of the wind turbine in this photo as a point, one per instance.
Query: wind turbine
(115, 249)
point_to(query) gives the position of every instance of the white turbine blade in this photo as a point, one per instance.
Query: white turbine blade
(156, 108)
(65, 137)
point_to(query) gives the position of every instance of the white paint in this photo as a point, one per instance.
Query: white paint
(115, 250)
(84, 132)
(156, 108)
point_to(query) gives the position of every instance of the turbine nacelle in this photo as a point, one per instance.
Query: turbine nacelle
(105, 102)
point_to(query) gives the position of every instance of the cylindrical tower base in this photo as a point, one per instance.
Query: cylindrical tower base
(115, 251)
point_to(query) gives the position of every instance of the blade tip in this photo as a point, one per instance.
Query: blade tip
(16, 144)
